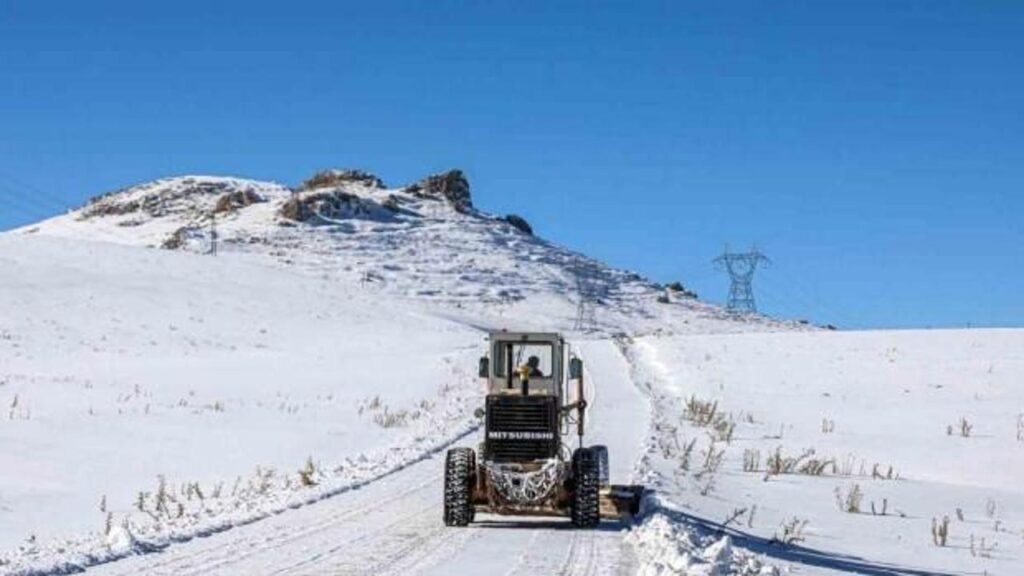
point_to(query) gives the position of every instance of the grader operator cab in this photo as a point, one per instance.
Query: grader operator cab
(526, 465)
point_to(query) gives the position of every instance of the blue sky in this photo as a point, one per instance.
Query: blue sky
(874, 150)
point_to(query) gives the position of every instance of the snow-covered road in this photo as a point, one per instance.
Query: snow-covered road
(393, 525)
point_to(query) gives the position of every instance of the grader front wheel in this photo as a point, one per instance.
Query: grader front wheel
(460, 465)
(585, 508)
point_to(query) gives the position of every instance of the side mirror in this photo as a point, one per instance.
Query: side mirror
(485, 367)
(479, 413)
(575, 369)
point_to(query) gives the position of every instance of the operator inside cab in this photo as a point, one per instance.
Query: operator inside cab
(531, 369)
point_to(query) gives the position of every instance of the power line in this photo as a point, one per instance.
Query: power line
(39, 205)
(741, 267)
(789, 289)
(40, 195)
(29, 205)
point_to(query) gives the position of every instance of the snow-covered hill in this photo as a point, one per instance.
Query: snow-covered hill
(424, 242)
(288, 398)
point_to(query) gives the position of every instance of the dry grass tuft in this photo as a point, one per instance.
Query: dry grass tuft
(806, 463)
(792, 532)
(751, 460)
(700, 412)
(307, 475)
(963, 428)
(889, 474)
(940, 531)
(850, 501)
(687, 453)
(980, 548)
(705, 414)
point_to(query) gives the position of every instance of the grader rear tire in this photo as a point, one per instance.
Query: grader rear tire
(584, 508)
(603, 468)
(460, 467)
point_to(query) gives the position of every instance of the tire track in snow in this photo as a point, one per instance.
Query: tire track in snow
(567, 568)
(307, 539)
(437, 552)
(402, 551)
(331, 547)
(523, 555)
(586, 553)
(547, 558)
(230, 548)
(598, 552)
(353, 561)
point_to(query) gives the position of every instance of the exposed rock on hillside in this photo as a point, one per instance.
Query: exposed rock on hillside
(451, 186)
(314, 207)
(180, 238)
(519, 223)
(167, 196)
(231, 201)
(680, 290)
(327, 178)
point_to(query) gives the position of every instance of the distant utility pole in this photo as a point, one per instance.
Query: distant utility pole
(584, 309)
(741, 268)
(213, 233)
(587, 297)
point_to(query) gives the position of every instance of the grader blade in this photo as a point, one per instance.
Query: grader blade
(621, 501)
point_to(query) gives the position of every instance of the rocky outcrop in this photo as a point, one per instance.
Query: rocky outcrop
(393, 203)
(519, 223)
(451, 186)
(178, 239)
(680, 290)
(315, 207)
(154, 199)
(327, 178)
(231, 201)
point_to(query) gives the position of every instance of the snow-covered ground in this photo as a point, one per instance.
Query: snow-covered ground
(120, 365)
(923, 424)
(282, 407)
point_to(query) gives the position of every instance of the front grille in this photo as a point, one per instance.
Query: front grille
(521, 428)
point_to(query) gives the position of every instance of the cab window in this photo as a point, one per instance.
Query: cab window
(521, 354)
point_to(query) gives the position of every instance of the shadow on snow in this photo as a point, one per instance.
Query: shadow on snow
(801, 554)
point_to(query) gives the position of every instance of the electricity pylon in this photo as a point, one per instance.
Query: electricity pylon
(585, 320)
(213, 233)
(588, 296)
(741, 268)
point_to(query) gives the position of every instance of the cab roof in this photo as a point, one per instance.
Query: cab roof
(506, 336)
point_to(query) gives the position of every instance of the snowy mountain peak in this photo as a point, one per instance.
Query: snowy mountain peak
(335, 177)
(425, 242)
(181, 212)
(451, 186)
(325, 196)
(333, 195)
(189, 195)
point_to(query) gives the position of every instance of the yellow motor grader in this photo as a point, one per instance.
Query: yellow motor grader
(526, 464)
